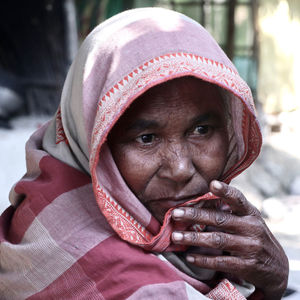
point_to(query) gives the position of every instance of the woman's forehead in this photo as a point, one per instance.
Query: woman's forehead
(185, 97)
(190, 83)
(178, 93)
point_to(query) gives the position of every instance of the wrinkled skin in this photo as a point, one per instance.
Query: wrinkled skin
(255, 254)
(171, 143)
(171, 146)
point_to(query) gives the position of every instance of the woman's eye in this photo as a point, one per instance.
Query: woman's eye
(202, 129)
(146, 139)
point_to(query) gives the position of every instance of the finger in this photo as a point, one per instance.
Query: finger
(243, 246)
(229, 264)
(234, 197)
(211, 217)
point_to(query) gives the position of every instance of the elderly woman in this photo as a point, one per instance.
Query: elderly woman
(126, 194)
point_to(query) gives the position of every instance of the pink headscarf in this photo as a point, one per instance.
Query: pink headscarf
(121, 59)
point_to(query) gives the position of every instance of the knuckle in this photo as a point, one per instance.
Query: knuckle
(234, 193)
(253, 211)
(251, 262)
(252, 223)
(250, 220)
(218, 240)
(194, 214)
(254, 248)
(259, 228)
(221, 218)
(259, 245)
(220, 263)
(192, 237)
(228, 192)
(242, 201)
(261, 233)
(256, 227)
(201, 260)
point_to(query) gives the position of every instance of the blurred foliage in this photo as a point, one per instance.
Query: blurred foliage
(92, 12)
(88, 15)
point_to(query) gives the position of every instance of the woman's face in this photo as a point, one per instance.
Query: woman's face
(171, 143)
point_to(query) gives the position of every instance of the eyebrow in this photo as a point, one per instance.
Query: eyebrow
(205, 117)
(143, 124)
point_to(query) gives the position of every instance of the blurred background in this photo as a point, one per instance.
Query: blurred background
(39, 39)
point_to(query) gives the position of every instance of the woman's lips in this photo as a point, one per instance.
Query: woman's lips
(171, 202)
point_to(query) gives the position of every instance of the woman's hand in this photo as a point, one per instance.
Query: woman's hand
(255, 254)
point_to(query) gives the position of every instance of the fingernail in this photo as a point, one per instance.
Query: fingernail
(190, 259)
(217, 185)
(177, 213)
(177, 236)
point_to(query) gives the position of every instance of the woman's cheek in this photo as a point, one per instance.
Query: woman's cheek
(211, 157)
(137, 168)
(218, 153)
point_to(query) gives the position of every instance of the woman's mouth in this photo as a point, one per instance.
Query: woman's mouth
(159, 206)
(173, 201)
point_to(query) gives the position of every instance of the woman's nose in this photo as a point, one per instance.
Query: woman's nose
(177, 164)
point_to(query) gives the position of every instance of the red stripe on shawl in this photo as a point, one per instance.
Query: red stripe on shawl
(117, 269)
(55, 179)
(5, 222)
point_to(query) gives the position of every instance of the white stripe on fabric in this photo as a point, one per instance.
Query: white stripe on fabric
(193, 294)
(161, 291)
(75, 221)
(62, 233)
(37, 262)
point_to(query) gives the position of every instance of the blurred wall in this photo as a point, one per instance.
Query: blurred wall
(279, 59)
